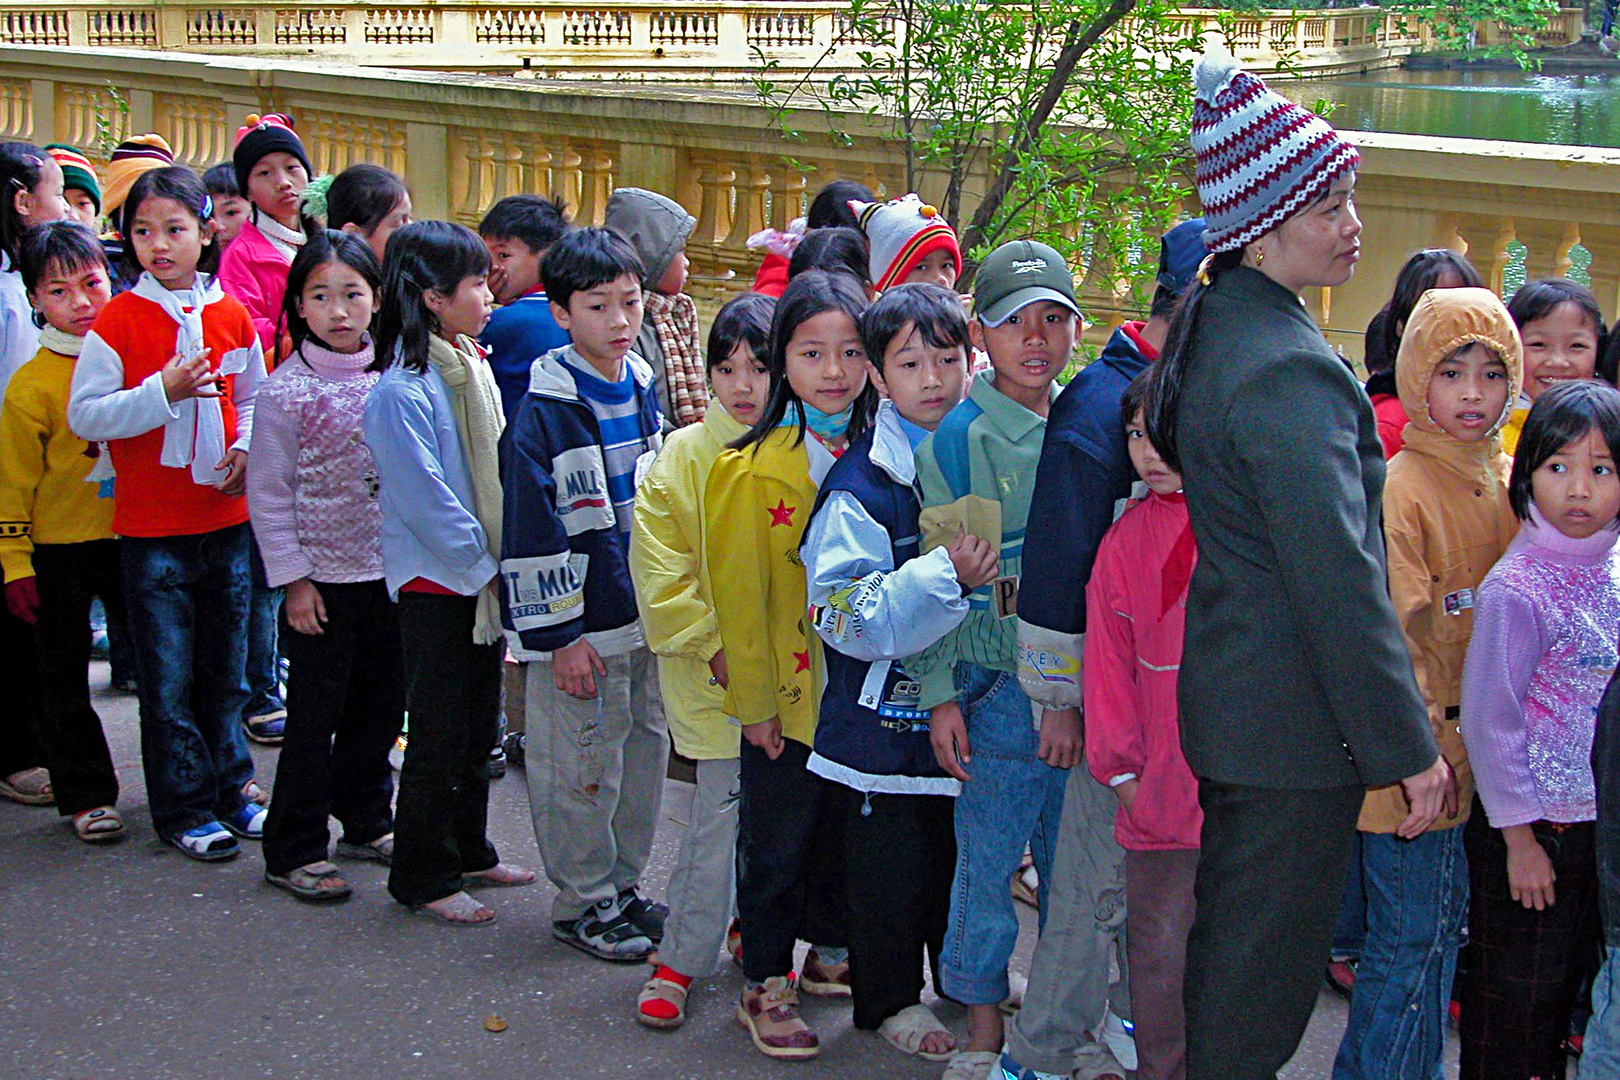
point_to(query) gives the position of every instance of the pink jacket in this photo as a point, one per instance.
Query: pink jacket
(1132, 657)
(254, 272)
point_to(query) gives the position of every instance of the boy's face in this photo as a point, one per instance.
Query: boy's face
(1158, 476)
(81, 207)
(1468, 393)
(741, 384)
(70, 297)
(924, 381)
(603, 320)
(514, 268)
(938, 267)
(274, 185)
(673, 283)
(1032, 346)
(229, 213)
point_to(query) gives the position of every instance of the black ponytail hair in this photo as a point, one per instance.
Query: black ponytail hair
(185, 187)
(322, 247)
(423, 256)
(1162, 408)
(21, 165)
(362, 195)
(806, 296)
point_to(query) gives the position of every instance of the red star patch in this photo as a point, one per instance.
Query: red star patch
(803, 659)
(781, 514)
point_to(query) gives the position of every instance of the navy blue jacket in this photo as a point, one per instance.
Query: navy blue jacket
(1606, 773)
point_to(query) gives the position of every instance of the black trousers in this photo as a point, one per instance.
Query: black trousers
(20, 746)
(1270, 871)
(899, 859)
(345, 706)
(1525, 967)
(790, 861)
(75, 748)
(452, 691)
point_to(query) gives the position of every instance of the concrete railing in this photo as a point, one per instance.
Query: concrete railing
(464, 141)
(647, 39)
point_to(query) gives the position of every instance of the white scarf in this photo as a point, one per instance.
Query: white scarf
(196, 435)
(286, 241)
(63, 343)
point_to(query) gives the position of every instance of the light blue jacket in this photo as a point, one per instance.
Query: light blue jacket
(425, 487)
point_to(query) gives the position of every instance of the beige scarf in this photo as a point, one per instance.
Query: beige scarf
(674, 318)
(479, 421)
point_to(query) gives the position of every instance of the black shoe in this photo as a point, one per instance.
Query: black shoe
(497, 763)
(515, 744)
(644, 915)
(605, 933)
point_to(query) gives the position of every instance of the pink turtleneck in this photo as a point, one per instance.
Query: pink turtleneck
(1543, 648)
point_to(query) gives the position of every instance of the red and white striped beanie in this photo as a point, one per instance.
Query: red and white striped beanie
(900, 234)
(1260, 158)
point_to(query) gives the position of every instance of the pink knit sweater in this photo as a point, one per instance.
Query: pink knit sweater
(311, 484)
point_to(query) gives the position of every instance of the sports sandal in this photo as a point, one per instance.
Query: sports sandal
(248, 822)
(906, 1030)
(820, 979)
(316, 882)
(378, 850)
(644, 915)
(770, 1012)
(209, 842)
(457, 909)
(661, 1003)
(973, 1065)
(99, 825)
(499, 876)
(267, 728)
(605, 933)
(31, 787)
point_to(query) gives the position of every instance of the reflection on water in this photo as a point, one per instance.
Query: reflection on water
(1580, 110)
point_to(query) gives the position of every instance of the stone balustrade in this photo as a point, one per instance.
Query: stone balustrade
(464, 141)
(643, 39)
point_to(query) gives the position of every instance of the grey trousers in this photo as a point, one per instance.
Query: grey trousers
(595, 770)
(703, 886)
(1085, 918)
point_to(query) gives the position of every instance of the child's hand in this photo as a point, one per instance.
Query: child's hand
(1127, 794)
(574, 667)
(718, 669)
(1426, 795)
(1530, 871)
(767, 735)
(306, 611)
(191, 378)
(974, 559)
(235, 465)
(947, 730)
(1061, 738)
(22, 599)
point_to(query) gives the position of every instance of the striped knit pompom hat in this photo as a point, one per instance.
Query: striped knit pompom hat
(134, 156)
(1261, 159)
(902, 233)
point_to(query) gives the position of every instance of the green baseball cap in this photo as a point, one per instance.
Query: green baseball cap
(1017, 274)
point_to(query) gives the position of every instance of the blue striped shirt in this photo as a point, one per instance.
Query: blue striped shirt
(618, 415)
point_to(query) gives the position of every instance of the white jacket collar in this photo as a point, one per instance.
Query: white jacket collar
(891, 449)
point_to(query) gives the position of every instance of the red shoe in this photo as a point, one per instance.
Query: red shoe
(1341, 977)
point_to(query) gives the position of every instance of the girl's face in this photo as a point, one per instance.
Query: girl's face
(338, 304)
(826, 365)
(1318, 246)
(274, 185)
(1559, 346)
(70, 297)
(464, 311)
(398, 218)
(1145, 459)
(1576, 489)
(229, 213)
(169, 240)
(938, 267)
(741, 384)
(46, 202)
(81, 207)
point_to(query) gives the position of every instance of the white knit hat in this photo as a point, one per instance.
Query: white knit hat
(1260, 158)
(902, 233)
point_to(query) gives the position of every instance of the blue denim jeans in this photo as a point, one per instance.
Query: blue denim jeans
(1600, 1055)
(263, 652)
(1011, 799)
(1417, 916)
(188, 603)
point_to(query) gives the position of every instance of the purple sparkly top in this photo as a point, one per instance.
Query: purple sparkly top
(1543, 648)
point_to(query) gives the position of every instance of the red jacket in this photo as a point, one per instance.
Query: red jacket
(1391, 416)
(1132, 657)
(772, 277)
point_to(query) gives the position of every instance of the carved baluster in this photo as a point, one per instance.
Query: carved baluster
(536, 174)
(465, 178)
(1603, 241)
(787, 195)
(749, 216)
(714, 205)
(1547, 246)
(565, 179)
(596, 183)
(1487, 238)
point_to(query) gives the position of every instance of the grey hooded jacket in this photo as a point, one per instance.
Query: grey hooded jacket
(658, 228)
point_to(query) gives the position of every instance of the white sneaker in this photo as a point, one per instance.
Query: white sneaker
(1120, 1038)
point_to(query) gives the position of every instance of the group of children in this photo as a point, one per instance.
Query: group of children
(832, 557)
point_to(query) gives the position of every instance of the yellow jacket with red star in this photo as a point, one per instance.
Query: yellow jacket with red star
(757, 503)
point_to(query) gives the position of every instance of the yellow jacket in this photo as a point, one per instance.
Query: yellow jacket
(1515, 426)
(672, 585)
(45, 497)
(1446, 522)
(758, 501)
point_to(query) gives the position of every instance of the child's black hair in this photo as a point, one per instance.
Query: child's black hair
(1374, 343)
(21, 166)
(806, 296)
(362, 195)
(185, 187)
(220, 180)
(535, 221)
(1135, 400)
(744, 318)
(582, 259)
(1163, 407)
(841, 249)
(322, 247)
(934, 310)
(830, 207)
(1608, 365)
(1564, 412)
(423, 256)
(1417, 277)
(66, 245)
(1537, 299)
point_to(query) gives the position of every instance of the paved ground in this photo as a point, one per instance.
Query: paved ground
(132, 963)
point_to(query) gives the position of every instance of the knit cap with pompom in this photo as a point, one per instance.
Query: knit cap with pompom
(77, 172)
(902, 233)
(260, 135)
(1260, 158)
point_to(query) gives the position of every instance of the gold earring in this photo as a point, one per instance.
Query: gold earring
(1259, 256)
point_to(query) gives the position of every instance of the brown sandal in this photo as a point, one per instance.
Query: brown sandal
(499, 876)
(31, 787)
(99, 825)
(665, 990)
(457, 909)
(316, 882)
